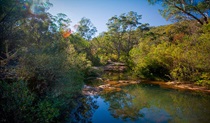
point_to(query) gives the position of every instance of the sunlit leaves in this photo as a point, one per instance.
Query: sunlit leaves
(184, 57)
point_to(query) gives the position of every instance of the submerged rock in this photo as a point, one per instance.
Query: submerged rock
(91, 91)
(107, 86)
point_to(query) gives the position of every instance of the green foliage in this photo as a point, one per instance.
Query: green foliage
(54, 75)
(184, 59)
(16, 101)
(47, 111)
(19, 104)
(49, 66)
(80, 44)
(102, 48)
(204, 80)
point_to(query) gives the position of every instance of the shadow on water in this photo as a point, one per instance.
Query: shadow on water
(145, 103)
(84, 110)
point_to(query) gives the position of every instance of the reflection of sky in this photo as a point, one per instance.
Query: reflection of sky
(150, 115)
(102, 115)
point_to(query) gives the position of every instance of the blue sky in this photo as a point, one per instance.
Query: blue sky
(99, 11)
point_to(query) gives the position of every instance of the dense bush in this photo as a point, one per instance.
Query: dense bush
(19, 104)
(51, 76)
(16, 102)
(183, 59)
(48, 66)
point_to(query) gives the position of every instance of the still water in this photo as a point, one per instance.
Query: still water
(146, 103)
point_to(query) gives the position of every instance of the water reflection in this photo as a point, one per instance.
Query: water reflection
(145, 103)
(121, 105)
(149, 103)
(133, 105)
(84, 110)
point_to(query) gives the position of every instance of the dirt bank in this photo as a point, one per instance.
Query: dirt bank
(180, 86)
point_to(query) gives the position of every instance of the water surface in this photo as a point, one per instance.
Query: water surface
(147, 103)
(151, 104)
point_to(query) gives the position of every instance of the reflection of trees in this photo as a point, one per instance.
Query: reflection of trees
(122, 105)
(182, 106)
(138, 102)
(192, 107)
(84, 110)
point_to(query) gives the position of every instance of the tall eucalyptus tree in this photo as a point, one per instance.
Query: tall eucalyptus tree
(86, 29)
(121, 29)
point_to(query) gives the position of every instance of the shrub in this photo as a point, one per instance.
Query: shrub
(184, 60)
(16, 102)
(52, 76)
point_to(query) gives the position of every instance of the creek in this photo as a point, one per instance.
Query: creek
(143, 103)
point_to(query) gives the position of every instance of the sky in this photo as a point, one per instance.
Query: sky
(100, 11)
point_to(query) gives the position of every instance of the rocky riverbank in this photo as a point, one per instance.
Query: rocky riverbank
(105, 85)
(108, 86)
(111, 86)
(181, 86)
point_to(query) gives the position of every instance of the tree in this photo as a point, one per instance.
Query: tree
(121, 29)
(103, 48)
(14, 16)
(86, 29)
(198, 10)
